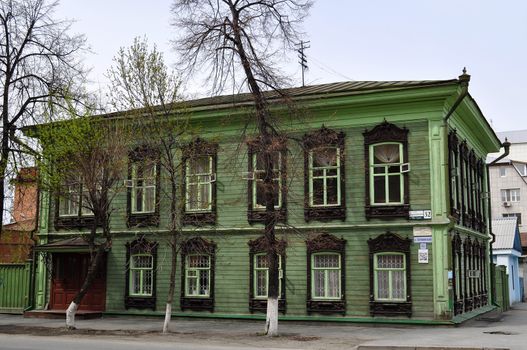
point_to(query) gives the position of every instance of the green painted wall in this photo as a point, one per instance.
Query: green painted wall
(419, 110)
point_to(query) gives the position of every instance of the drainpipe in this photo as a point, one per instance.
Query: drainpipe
(506, 148)
(464, 80)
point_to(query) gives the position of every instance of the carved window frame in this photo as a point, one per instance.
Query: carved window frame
(257, 215)
(457, 274)
(390, 243)
(257, 247)
(141, 154)
(386, 133)
(453, 175)
(199, 246)
(326, 243)
(200, 148)
(141, 246)
(324, 137)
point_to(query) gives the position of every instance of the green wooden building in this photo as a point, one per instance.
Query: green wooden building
(382, 210)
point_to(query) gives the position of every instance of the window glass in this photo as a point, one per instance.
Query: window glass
(503, 171)
(324, 176)
(261, 275)
(141, 274)
(258, 183)
(326, 276)
(390, 276)
(70, 201)
(197, 275)
(199, 184)
(143, 187)
(387, 186)
(510, 195)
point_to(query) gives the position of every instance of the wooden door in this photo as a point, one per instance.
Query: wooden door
(69, 272)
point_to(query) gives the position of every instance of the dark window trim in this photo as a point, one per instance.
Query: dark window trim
(70, 222)
(390, 242)
(139, 154)
(386, 132)
(198, 245)
(453, 148)
(320, 138)
(258, 215)
(258, 246)
(199, 148)
(322, 243)
(457, 279)
(141, 245)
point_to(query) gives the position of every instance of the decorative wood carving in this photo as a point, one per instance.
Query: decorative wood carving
(198, 245)
(138, 246)
(257, 246)
(199, 148)
(138, 220)
(390, 242)
(324, 137)
(386, 132)
(325, 242)
(453, 158)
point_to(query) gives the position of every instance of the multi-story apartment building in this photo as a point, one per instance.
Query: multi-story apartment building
(508, 187)
(383, 217)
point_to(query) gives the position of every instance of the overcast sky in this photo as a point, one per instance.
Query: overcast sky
(359, 40)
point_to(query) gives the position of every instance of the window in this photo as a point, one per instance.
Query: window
(324, 175)
(390, 277)
(200, 159)
(141, 256)
(141, 274)
(261, 275)
(199, 179)
(197, 274)
(521, 168)
(503, 171)
(326, 275)
(510, 195)
(454, 175)
(70, 201)
(258, 189)
(255, 185)
(512, 215)
(72, 207)
(143, 187)
(326, 294)
(387, 169)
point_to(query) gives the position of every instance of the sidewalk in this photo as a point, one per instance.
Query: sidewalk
(508, 332)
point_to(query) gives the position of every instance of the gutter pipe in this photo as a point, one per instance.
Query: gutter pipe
(464, 80)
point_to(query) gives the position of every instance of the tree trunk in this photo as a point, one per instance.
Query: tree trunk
(3, 169)
(90, 276)
(171, 285)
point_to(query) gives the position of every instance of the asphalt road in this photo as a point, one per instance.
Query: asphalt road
(29, 342)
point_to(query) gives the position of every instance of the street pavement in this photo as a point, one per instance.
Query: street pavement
(509, 331)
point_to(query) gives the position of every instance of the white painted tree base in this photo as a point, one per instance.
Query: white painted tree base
(70, 315)
(168, 316)
(271, 321)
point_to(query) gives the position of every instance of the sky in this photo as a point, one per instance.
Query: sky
(356, 40)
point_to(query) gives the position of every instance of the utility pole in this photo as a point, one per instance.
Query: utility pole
(303, 45)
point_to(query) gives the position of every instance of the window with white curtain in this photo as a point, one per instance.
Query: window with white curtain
(390, 277)
(326, 276)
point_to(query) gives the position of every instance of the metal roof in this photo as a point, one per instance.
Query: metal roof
(507, 234)
(515, 136)
(326, 89)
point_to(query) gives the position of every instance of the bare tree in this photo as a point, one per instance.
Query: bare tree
(84, 160)
(142, 84)
(38, 65)
(226, 36)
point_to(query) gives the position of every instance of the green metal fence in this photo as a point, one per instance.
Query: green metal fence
(502, 287)
(14, 287)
